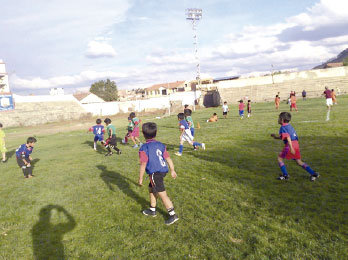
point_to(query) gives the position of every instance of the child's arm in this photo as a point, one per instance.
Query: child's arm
(171, 166)
(276, 136)
(292, 150)
(141, 173)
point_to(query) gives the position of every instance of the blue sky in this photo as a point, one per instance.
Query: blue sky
(137, 43)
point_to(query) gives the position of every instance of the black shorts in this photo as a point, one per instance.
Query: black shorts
(20, 162)
(111, 140)
(224, 113)
(156, 182)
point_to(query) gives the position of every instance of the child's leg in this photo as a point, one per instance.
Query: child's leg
(166, 201)
(181, 147)
(133, 139)
(282, 166)
(196, 144)
(3, 156)
(137, 139)
(95, 145)
(306, 167)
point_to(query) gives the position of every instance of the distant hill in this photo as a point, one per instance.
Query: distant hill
(339, 58)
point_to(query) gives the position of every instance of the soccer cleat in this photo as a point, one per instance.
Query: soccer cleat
(140, 144)
(171, 220)
(314, 177)
(108, 154)
(119, 152)
(149, 212)
(283, 177)
(178, 154)
(4, 161)
(203, 146)
(135, 146)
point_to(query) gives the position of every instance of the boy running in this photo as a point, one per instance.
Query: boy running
(241, 109)
(292, 149)
(225, 110)
(152, 160)
(249, 108)
(129, 131)
(186, 135)
(135, 133)
(277, 101)
(23, 157)
(189, 120)
(98, 131)
(111, 142)
(2, 144)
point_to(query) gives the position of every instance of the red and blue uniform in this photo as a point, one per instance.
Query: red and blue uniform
(184, 125)
(285, 131)
(98, 131)
(154, 154)
(23, 151)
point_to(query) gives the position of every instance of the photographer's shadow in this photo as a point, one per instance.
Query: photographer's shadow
(47, 237)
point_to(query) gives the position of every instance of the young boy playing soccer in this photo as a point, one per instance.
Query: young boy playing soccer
(111, 142)
(249, 108)
(186, 135)
(225, 109)
(98, 131)
(2, 144)
(135, 133)
(152, 160)
(241, 109)
(292, 149)
(23, 157)
(129, 131)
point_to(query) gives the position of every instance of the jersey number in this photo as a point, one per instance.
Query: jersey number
(160, 157)
(99, 131)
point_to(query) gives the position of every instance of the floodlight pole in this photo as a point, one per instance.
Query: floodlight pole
(194, 15)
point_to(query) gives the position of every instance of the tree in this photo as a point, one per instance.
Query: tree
(345, 62)
(106, 90)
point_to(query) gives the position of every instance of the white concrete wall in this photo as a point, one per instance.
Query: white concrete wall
(112, 108)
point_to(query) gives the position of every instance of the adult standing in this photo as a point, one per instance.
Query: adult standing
(304, 95)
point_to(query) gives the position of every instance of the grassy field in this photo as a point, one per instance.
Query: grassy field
(83, 205)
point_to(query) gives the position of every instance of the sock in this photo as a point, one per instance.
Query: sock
(153, 209)
(197, 144)
(95, 145)
(283, 169)
(171, 212)
(116, 149)
(308, 169)
(181, 148)
(108, 148)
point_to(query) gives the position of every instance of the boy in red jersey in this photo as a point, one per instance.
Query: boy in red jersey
(291, 149)
(241, 109)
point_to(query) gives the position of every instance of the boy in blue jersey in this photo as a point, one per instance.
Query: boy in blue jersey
(152, 160)
(291, 149)
(23, 157)
(188, 113)
(186, 135)
(98, 131)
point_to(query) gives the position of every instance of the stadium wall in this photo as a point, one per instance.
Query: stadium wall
(261, 89)
(36, 110)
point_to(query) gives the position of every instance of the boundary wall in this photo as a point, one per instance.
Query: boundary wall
(261, 89)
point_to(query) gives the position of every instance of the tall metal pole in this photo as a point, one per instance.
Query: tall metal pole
(194, 15)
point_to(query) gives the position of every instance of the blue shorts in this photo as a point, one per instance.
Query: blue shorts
(98, 138)
(192, 131)
(241, 112)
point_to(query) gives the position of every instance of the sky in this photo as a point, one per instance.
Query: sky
(138, 43)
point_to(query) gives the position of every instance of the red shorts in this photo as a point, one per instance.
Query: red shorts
(293, 105)
(286, 154)
(135, 132)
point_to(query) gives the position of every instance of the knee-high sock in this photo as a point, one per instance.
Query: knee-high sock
(283, 169)
(197, 144)
(181, 148)
(308, 169)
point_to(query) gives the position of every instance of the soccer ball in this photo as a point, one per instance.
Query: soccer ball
(123, 141)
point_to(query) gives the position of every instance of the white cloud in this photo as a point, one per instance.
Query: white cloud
(99, 49)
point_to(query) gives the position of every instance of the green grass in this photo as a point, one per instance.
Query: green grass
(82, 205)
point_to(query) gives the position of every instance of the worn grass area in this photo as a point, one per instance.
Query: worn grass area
(82, 205)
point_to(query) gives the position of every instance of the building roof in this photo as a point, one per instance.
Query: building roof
(169, 85)
(81, 95)
(334, 64)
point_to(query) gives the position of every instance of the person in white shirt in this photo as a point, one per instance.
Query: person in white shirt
(225, 110)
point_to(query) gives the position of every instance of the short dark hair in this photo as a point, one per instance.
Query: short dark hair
(149, 130)
(132, 115)
(286, 116)
(188, 112)
(241, 101)
(0, 125)
(181, 116)
(214, 114)
(107, 121)
(277, 96)
(31, 140)
(98, 121)
(186, 106)
(225, 102)
(249, 100)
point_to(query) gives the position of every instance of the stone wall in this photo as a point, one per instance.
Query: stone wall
(259, 90)
(36, 113)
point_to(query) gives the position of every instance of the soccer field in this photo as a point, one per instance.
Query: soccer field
(83, 205)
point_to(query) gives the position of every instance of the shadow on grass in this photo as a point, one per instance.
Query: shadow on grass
(9, 154)
(112, 178)
(100, 147)
(47, 237)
